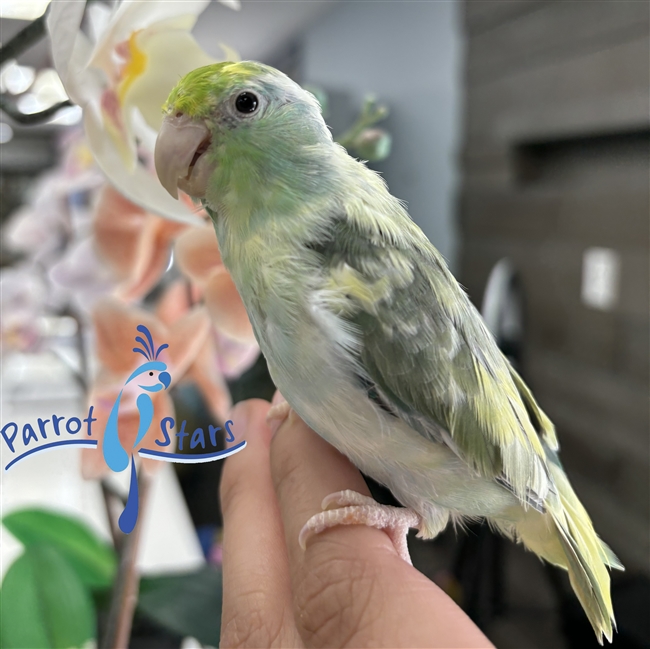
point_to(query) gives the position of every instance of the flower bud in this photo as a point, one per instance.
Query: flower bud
(372, 144)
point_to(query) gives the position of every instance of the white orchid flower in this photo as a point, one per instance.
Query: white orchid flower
(121, 81)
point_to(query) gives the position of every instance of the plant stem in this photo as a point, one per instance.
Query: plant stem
(32, 118)
(24, 39)
(21, 42)
(109, 495)
(81, 350)
(127, 584)
(188, 293)
(370, 115)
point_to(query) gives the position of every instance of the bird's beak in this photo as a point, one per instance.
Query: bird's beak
(165, 379)
(179, 157)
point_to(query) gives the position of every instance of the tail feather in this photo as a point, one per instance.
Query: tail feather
(589, 580)
(611, 559)
(587, 556)
(565, 537)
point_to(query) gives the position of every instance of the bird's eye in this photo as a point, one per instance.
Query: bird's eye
(150, 373)
(247, 103)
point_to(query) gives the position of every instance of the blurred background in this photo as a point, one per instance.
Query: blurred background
(519, 138)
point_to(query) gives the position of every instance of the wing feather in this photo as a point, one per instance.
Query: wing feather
(426, 349)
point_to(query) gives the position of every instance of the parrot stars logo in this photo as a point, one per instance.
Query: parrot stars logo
(151, 376)
(148, 379)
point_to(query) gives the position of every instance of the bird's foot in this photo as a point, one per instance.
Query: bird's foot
(278, 412)
(352, 508)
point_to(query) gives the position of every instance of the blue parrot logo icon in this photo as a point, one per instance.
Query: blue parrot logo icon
(151, 376)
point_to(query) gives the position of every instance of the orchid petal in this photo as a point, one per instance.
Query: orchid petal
(205, 373)
(152, 258)
(170, 55)
(22, 292)
(133, 15)
(175, 302)
(22, 300)
(234, 357)
(80, 84)
(117, 121)
(99, 17)
(83, 275)
(138, 186)
(146, 135)
(39, 232)
(115, 330)
(186, 338)
(225, 307)
(197, 253)
(117, 226)
(63, 22)
(71, 50)
(121, 83)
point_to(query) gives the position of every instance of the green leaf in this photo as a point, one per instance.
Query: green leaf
(189, 604)
(94, 561)
(44, 604)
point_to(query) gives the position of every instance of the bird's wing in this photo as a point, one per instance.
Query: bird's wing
(427, 355)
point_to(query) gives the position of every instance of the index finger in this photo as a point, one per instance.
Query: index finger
(350, 586)
(257, 609)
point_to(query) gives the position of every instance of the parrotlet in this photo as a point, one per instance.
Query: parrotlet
(366, 332)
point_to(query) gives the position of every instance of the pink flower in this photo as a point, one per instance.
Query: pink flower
(48, 221)
(22, 300)
(115, 330)
(197, 254)
(193, 355)
(135, 244)
(221, 357)
(125, 253)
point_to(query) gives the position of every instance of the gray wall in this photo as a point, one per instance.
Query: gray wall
(409, 55)
(556, 165)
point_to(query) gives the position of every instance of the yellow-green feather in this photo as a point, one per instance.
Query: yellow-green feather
(565, 537)
(198, 92)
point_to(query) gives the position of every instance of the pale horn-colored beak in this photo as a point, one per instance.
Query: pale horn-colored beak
(178, 141)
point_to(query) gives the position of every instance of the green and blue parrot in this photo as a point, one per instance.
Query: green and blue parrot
(366, 332)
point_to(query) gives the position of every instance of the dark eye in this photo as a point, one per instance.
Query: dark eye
(247, 103)
(150, 373)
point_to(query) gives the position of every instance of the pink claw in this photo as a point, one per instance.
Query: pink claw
(352, 508)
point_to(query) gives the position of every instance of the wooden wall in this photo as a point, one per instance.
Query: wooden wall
(555, 161)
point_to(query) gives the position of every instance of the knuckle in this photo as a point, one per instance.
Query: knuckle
(285, 466)
(334, 598)
(245, 623)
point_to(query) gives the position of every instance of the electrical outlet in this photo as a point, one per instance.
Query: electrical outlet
(601, 269)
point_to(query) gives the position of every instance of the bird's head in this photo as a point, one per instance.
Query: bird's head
(152, 376)
(231, 119)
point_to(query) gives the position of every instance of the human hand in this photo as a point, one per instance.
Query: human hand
(349, 588)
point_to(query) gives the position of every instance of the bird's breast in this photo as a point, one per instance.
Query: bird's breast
(310, 354)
